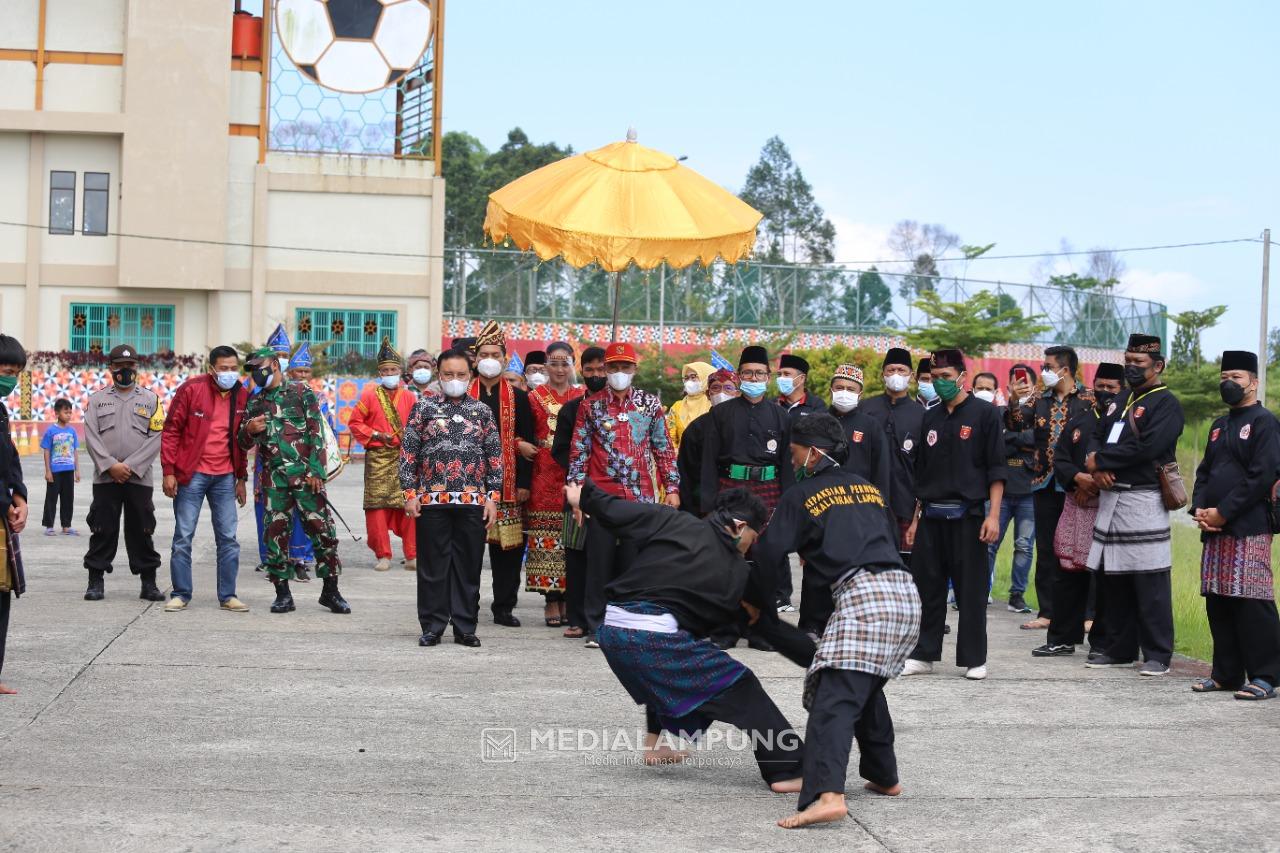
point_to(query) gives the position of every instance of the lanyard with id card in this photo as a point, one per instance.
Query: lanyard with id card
(1116, 429)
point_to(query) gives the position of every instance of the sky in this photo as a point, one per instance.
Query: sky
(1101, 124)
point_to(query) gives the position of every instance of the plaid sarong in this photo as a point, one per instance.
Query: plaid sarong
(769, 492)
(1237, 566)
(875, 626)
(1131, 533)
(1074, 535)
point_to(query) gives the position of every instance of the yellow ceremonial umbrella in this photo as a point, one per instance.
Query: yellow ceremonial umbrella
(620, 205)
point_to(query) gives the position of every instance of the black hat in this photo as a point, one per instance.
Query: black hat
(1234, 359)
(948, 358)
(926, 364)
(1148, 344)
(795, 362)
(536, 357)
(753, 355)
(1109, 370)
(462, 344)
(123, 352)
(896, 355)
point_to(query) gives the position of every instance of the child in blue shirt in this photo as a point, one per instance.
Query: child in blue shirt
(61, 468)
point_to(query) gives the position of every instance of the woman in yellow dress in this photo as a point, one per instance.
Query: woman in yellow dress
(694, 404)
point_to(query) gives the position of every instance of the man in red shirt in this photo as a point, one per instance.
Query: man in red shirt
(201, 459)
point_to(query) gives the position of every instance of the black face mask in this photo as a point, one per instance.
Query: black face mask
(261, 376)
(595, 384)
(124, 376)
(1104, 399)
(1232, 392)
(1135, 376)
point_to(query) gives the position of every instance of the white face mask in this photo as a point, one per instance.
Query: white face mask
(692, 386)
(896, 383)
(844, 401)
(227, 379)
(1049, 378)
(536, 379)
(717, 399)
(454, 387)
(619, 381)
(489, 367)
(985, 395)
(284, 365)
(391, 383)
(422, 375)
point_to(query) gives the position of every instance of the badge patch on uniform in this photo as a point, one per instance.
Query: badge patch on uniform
(1137, 413)
(1244, 431)
(1213, 436)
(1075, 437)
(857, 437)
(932, 438)
(771, 445)
(965, 432)
(907, 444)
(1111, 410)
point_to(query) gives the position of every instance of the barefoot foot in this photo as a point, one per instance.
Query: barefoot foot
(664, 755)
(6, 690)
(826, 809)
(891, 791)
(787, 786)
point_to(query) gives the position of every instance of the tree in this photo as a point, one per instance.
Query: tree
(1186, 341)
(1273, 347)
(974, 326)
(921, 246)
(463, 158)
(868, 303)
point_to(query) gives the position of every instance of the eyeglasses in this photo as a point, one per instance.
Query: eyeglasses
(754, 374)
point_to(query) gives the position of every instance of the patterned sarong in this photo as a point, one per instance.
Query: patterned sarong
(1237, 566)
(1131, 533)
(769, 492)
(875, 626)
(508, 533)
(672, 673)
(544, 561)
(382, 478)
(1074, 535)
(12, 578)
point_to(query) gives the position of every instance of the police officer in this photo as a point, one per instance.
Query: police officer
(122, 425)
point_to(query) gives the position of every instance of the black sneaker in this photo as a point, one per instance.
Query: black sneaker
(1153, 667)
(1049, 650)
(1101, 661)
(1018, 604)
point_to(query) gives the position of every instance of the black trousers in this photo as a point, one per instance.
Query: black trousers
(109, 499)
(1139, 615)
(778, 747)
(1047, 503)
(505, 567)
(951, 550)
(575, 586)
(1071, 593)
(816, 604)
(5, 602)
(450, 551)
(607, 558)
(1246, 640)
(847, 706)
(63, 487)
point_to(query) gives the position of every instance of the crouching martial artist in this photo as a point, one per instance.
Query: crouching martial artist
(836, 521)
(688, 579)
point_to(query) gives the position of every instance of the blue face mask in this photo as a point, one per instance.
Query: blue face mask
(926, 390)
(753, 389)
(785, 384)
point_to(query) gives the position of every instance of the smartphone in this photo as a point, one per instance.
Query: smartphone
(1021, 375)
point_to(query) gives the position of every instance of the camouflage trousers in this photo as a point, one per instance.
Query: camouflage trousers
(283, 494)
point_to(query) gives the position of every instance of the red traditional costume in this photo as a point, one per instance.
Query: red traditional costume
(544, 511)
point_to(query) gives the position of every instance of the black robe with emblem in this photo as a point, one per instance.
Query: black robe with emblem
(1133, 457)
(1241, 463)
(739, 432)
(900, 420)
(868, 451)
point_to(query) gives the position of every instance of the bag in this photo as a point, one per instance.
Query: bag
(1172, 488)
(945, 511)
(333, 459)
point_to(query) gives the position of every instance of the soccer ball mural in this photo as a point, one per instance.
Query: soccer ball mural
(354, 46)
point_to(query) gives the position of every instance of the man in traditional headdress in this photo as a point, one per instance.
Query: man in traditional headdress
(377, 422)
(511, 411)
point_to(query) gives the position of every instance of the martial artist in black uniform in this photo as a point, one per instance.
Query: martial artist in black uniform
(961, 465)
(900, 417)
(722, 386)
(688, 578)
(837, 521)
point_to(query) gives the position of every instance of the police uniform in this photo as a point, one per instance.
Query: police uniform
(123, 424)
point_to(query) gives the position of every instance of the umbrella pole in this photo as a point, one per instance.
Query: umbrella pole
(617, 298)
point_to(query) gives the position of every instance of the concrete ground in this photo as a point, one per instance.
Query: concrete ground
(212, 731)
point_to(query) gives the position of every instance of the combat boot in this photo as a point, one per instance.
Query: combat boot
(95, 592)
(284, 598)
(149, 591)
(331, 598)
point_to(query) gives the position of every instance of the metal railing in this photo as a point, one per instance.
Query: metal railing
(516, 285)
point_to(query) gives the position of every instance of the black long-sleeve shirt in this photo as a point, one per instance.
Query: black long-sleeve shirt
(1020, 457)
(562, 441)
(1133, 457)
(689, 464)
(10, 467)
(900, 420)
(687, 565)
(962, 453)
(1073, 446)
(868, 451)
(744, 433)
(1241, 463)
(525, 428)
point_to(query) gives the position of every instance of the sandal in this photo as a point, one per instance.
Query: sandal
(1207, 686)
(1036, 624)
(1255, 691)
(574, 633)
(552, 619)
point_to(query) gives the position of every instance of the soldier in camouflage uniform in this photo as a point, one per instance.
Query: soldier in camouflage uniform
(283, 421)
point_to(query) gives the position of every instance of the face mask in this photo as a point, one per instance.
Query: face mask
(595, 384)
(1232, 392)
(947, 389)
(692, 386)
(284, 365)
(785, 385)
(536, 379)
(226, 379)
(124, 376)
(391, 383)
(988, 396)
(1104, 399)
(844, 401)
(753, 389)
(1134, 375)
(7, 384)
(896, 383)
(422, 375)
(619, 381)
(1049, 378)
(717, 399)
(454, 387)
(489, 367)
(926, 391)
(803, 472)
(262, 377)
